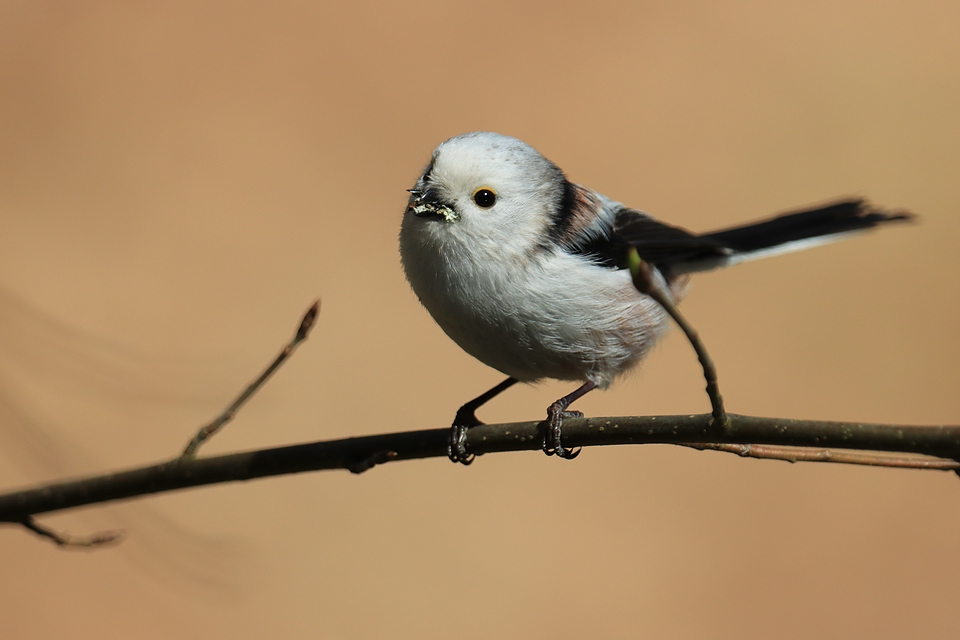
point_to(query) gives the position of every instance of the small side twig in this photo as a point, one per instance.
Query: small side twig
(66, 540)
(209, 430)
(644, 282)
(802, 454)
(380, 457)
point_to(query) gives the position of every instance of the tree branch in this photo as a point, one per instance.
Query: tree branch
(210, 429)
(645, 283)
(359, 454)
(747, 436)
(803, 454)
(67, 540)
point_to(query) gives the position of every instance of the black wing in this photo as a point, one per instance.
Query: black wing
(662, 244)
(655, 242)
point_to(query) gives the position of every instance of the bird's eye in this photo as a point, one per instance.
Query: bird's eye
(485, 198)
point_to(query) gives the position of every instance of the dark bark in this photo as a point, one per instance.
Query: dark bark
(359, 454)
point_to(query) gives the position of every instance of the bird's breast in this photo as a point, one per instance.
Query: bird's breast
(533, 315)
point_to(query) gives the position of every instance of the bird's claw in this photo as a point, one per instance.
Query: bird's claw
(457, 443)
(551, 436)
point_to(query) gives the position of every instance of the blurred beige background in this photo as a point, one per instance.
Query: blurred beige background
(179, 181)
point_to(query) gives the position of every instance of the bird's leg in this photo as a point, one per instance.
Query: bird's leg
(555, 415)
(466, 418)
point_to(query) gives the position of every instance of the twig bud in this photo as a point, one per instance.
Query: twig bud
(309, 319)
(640, 271)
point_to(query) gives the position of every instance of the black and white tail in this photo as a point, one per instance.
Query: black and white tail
(677, 251)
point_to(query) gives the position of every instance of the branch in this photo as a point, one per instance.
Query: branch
(801, 454)
(209, 430)
(205, 433)
(771, 438)
(74, 542)
(358, 454)
(645, 283)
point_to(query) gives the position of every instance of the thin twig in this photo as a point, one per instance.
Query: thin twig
(354, 453)
(645, 283)
(803, 454)
(66, 540)
(206, 432)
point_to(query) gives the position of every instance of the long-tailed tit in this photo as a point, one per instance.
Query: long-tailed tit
(526, 271)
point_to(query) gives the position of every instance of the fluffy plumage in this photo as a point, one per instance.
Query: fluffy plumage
(535, 286)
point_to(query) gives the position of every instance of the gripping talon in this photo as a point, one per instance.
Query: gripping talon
(457, 445)
(555, 415)
(560, 450)
(466, 418)
(552, 444)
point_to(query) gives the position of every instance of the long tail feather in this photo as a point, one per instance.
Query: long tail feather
(790, 232)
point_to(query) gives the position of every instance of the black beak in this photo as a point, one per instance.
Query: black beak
(424, 196)
(426, 203)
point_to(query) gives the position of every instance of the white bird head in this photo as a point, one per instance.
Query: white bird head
(488, 188)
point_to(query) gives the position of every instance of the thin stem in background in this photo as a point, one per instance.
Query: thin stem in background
(209, 430)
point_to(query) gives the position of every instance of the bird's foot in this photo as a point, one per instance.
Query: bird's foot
(551, 431)
(457, 441)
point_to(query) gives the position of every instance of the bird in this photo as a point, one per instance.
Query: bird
(527, 271)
